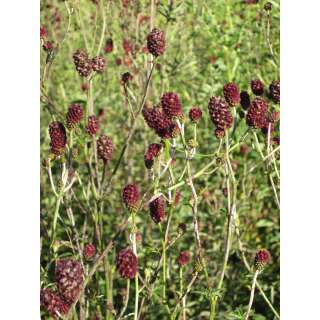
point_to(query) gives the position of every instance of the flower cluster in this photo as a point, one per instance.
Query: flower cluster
(69, 278)
(58, 137)
(157, 209)
(152, 152)
(53, 303)
(93, 125)
(74, 115)
(156, 42)
(127, 263)
(84, 65)
(262, 258)
(105, 148)
(89, 251)
(195, 114)
(231, 94)
(131, 196)
(220, 115)
(171, 105)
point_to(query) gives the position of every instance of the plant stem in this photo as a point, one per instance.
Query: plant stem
(136, 278)
(255, 276)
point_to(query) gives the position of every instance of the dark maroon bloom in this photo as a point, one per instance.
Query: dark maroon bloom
(127, 46)
(48, 46)
(184, 258)
(219, 133)
(274, 91)
(268, 6)
(85, 86)
(244, 149)
(127, 263)
(156, 42)
(262, 258)
(54, 304)
(231, 94)
(105, 148)
(245, 100)
(157, 209)
(152, 152)
(74, 115)
(220, 114)
(108, 48)
(131, 196)
(43, 32)
(82, 63)
(58, 137)
(69, 279)
(195, 114)
(177, 197)
(93, 125)
(171, 104)
(257, 87)
(118, 61)
(157, 120)
(126, 77)
(98, 64)
(257, 113)
(89, 251)
(276, 140)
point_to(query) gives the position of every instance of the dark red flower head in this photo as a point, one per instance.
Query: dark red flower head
(182, 228)
(82, 63)
(43, 32)
(157, 209)
(257, 87)
(127, 46)
(245, 100)
(69, 279)
(262, 258)
(58, 137)
(74, 115)
(93, 125)
(219, 133)
(131, 196)
(48, 46)
(157, 120)
(171, 105)
(231, 94)
(54, 304)
(152, 152)
(220, 114)
(195, 114)
(89, 251)
(257, 113)
(98, 64)
(184, 258)
(156, 42)
(108, 48)
(105, 148)
(126, 78)
(274, 91)
(268, 6)
(127, 263)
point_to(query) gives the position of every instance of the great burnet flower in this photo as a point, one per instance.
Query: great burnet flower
(105, 148)
(157, 120)
(127, 263)
(74, 115)
(82, 63)
(195, 114)
(131, 196)
(245, 100)
(53, 303)
(171, 105)
(93, 125)
(257, 87)
(257, 116)
(184, 258)
(98, 64)
(262, 258)
(157, 209)
(156, 42)
(231, 94)
(58, 137)
(220, 115)
(69, 279)
(274, 91)
(152, 152)
(89, 251)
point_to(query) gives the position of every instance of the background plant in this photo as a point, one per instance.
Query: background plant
(208, 44)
